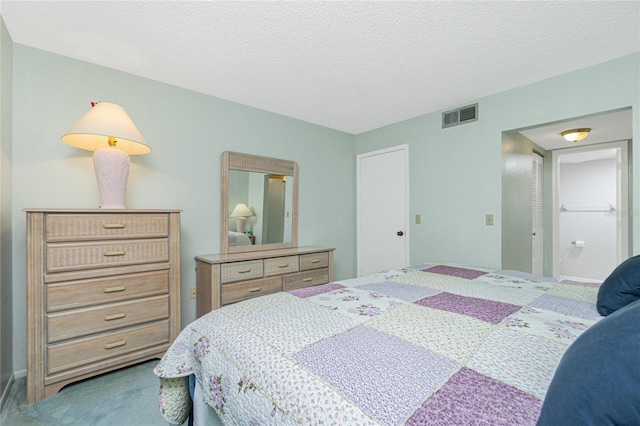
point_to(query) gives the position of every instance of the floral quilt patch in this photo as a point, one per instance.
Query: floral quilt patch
(552, 325)
(526, 282)
(357, 303)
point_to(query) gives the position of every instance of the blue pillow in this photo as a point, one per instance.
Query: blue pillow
(598, 379)
(621, 287)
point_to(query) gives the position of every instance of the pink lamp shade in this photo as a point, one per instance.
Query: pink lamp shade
(241, 212)
(108, 130)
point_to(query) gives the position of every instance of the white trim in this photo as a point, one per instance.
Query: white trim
(580, 279)
(6, 391)
(404, 148)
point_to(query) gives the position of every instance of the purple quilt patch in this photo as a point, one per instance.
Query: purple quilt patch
(406, 292)
(469, 398)
(486, 310)
(455, 271)
(566, 306)
(385, 375)
(305, 292)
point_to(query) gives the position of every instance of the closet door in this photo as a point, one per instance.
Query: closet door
(383, 206)
(537, 208)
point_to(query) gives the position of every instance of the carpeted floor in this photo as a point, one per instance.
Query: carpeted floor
(127, 397)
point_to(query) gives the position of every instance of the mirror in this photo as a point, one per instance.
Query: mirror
(259, 203)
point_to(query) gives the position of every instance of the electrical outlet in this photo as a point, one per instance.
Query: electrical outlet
(489, 220)
(418, 219)
(194, 293)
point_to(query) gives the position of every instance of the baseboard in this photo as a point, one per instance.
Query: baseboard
(5, 392)
(20, 373)
(586, 280)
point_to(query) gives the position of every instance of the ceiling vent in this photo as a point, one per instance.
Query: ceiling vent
(462, 115)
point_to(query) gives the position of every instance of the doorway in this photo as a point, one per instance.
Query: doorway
(383, 206)
(518, 145)
(590, 187)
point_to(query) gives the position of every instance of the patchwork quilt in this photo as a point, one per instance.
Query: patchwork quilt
(429, 344)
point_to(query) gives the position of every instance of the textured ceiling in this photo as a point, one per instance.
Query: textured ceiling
(347, 65)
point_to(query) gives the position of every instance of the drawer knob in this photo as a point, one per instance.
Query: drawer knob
(114, 316)
(114, 289)
(306, 280)
(315, 261)
(113, 225)
(244, 271)
(115, 253)
(283, 265)
(115, 344)
(255, 289)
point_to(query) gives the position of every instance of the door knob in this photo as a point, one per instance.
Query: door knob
(399, 233)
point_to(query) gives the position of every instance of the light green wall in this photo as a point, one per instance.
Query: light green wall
(456, 173)
(6, 299)
(188, 133)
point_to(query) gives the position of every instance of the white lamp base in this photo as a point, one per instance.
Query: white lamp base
(240, 221)
(112, 172)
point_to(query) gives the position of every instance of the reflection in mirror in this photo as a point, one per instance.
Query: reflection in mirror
(268, 198)
(258, 204)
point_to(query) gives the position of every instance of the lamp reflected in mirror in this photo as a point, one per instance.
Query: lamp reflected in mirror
(240, 213)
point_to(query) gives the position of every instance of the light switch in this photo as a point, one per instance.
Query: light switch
(489, 220)
(418, 219)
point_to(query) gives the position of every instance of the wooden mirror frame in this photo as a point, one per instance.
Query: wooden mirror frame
(254, 163)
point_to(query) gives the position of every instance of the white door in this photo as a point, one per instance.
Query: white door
(537, 207)
(383, 206)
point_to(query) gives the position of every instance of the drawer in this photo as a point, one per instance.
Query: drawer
(82, 293)
(314, 260)
(82, 322)
(75, 227)
(239, 271)
(280, 265)
(245, 290)
(70, 257)
(68, 355)
(305, 279)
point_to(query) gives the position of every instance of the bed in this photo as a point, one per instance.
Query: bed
(426, 344)
(238, 239)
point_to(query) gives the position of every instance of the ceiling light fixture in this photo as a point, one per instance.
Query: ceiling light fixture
(575, 135)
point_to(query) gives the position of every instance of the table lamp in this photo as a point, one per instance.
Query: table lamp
(241, 212)
(109, 132)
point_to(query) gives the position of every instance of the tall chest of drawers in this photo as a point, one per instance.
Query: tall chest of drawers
(222, 279)
(103, 292)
